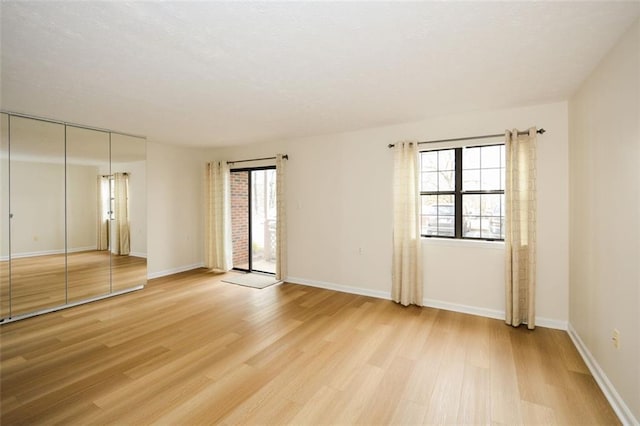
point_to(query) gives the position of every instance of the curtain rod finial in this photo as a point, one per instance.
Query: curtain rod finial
(541, 131)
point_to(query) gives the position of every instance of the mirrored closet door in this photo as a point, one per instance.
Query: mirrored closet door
(73, 215)
(88, 259)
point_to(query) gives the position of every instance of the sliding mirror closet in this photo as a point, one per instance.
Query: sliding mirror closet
(73, 225)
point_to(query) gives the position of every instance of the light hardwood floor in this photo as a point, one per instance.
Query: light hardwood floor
(39, 282)
(190, 349)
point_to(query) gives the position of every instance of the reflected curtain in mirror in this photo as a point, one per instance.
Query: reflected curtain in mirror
(121, 213)
(104, 212)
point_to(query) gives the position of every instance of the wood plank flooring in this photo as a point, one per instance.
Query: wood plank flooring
(39, 282)
(190, 349)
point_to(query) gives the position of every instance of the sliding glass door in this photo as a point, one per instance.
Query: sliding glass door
(253, 219)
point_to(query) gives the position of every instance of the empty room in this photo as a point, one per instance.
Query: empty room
(320, 212)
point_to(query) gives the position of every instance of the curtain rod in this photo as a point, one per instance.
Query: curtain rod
(285, 156)
(110, 176)
(469, 138)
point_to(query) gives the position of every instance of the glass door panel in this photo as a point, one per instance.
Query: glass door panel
(263, 220)
(239, 182)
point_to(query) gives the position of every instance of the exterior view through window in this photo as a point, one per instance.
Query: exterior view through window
(462, 192)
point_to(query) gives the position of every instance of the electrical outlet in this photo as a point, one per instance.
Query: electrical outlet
(615, 338)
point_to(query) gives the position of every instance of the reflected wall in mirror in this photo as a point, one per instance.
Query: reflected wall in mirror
(128, 230)
(88, 259)
(37, 214)
(4, 216)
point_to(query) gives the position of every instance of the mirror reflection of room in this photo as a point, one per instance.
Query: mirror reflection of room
(73, 221)
(128, 212)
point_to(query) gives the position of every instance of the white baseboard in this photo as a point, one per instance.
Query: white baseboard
(432, 303)
(465, 309)
(137, 254)
(36, 253)
(341, 288)
(552, 323)
(48, 252)
(79, 249)
(617, 403)
(172, 271)
(490, 313)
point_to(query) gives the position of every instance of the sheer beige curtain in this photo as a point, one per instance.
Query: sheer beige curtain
(407, 261)
(520, 227)
(281, 224)
(104, 206)
(121, 213)
(218, 246)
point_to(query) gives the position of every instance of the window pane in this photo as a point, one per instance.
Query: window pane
(424, 225)
(485, 228)
(490, 156)
(446, 181)
(429, 161)
(471, 216)
(502, 158)
(446, 215)
(446, 159)
(490, 204)
(471, 158)
(470, 180)
(471, 205)
(490, 179)
(428, 209)
(429, 181)
(438, 215)
(446, 205)
(492, 220)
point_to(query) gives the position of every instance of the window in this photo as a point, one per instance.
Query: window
(462, 192)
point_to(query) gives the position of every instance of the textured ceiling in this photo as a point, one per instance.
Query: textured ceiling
(224, 73)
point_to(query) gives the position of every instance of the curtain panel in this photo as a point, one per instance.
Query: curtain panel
(218, 245)
(407, 258)
(520, 227)
(281, 212)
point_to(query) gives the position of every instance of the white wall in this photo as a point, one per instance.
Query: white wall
(339, 201)
(82, 207)
(605, 216)
(174, 208)
(38, 208)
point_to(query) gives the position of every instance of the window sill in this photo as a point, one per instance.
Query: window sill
(456, 242)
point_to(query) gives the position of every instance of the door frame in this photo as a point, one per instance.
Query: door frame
(250, 220)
